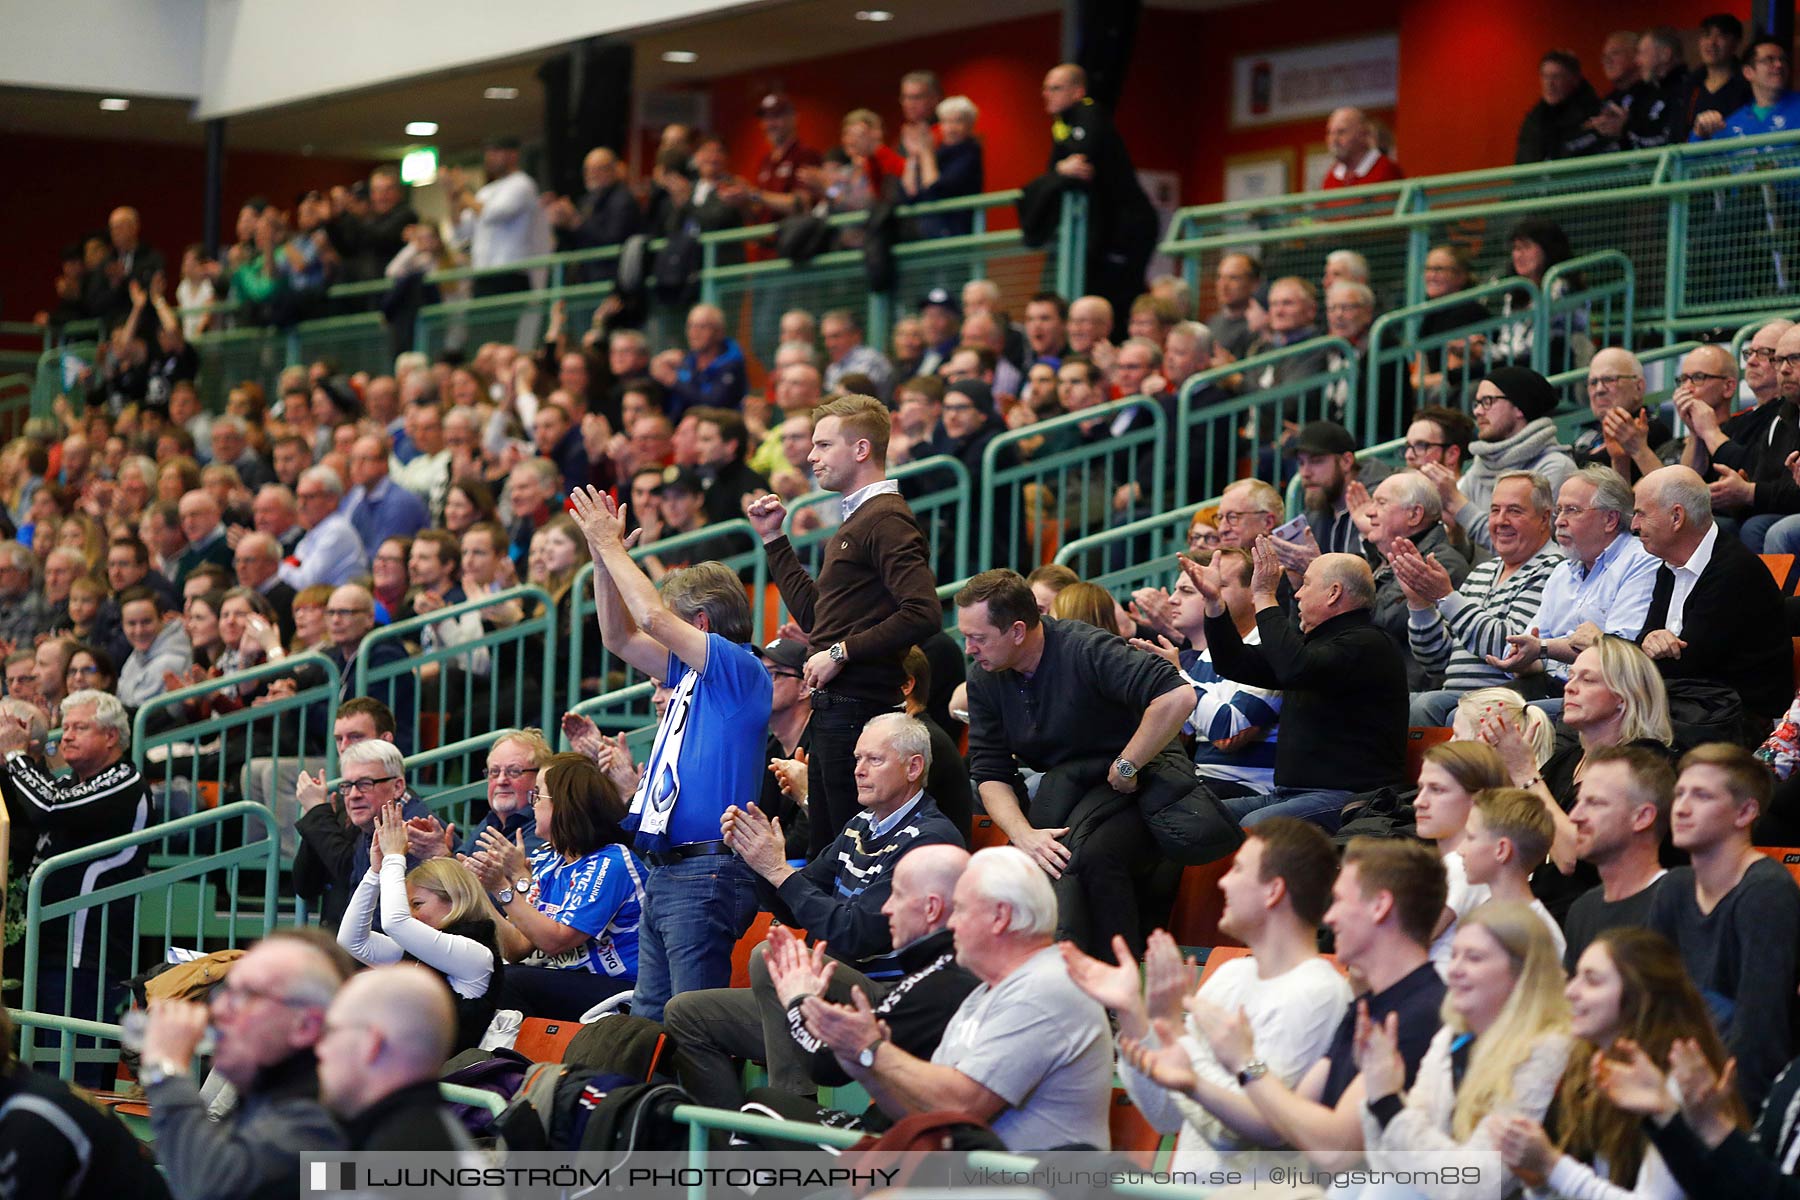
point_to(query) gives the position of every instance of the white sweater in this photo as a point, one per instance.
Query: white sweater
(466, 964)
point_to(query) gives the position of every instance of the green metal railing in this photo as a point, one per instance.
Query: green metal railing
(1731, 205)
(1029, 502)
(251, 753)
(1214, 442)
(454, 703)
(199, 902)
(945, 511)
(629, 710)
(590, 661)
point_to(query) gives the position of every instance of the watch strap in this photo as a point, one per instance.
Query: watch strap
(503, 897)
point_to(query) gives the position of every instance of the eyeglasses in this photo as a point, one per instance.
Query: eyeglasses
(1766, 353)
(959, 408)
(1424, 447)
(1693, 377)
(1482, 402)
(230, 992)
(364, 785)
(1607, 381)
(348, 612)
(1238, 518)
(1203, 539)
(1787, 360)
(531, 797)
(87, 670)
(1570, 510)
(509, 773)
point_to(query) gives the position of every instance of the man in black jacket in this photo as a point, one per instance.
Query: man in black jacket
(1099, 719)
(915, 1010)
(607, 214)
(1343, 684)
(1715, 615)
(384, 1043)
(1557, 126)
(839, 899)
(1087, 152)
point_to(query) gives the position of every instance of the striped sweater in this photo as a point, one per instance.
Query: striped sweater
(1223, 708)
(1474, 621)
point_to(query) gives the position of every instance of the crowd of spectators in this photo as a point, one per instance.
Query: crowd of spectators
(1587, 618)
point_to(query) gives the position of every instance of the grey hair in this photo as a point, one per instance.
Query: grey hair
(1690, 493)
(1006, 875)
(465, 415)
(547, 472)
(1149, 345)
(108, 712)
(19, 555)
(952, 107)
(235, 424)
(905, 734)
(142, 466)
(1611, 491)
(326, 478)
(1202, 336)
(1417, 491)
(376, 751)
(1541, 497)
(1356, 266)
(1359, 292)
(716, 590)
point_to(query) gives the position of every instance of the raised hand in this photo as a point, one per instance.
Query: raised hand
(1376, 1046)
(1626, 1076)
(1162, 647)
(601, 520)
(1114, 984)
(1166, 1064)
(766, 513)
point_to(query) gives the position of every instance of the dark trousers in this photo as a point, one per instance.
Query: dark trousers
(502, 283)
(557, 994)
(831, 773)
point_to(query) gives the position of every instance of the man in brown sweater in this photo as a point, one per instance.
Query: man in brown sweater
(875, 598)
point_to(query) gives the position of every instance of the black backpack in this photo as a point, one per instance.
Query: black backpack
(637, 1116)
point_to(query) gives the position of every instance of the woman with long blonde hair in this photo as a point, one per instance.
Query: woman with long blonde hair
(436, 914)
(1501, 1051)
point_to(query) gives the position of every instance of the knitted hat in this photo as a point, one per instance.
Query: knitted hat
(1528, 391)
(979, 394)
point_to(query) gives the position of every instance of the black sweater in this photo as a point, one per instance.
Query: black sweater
(1343, 702)
(1741, 957)
(1735, 629)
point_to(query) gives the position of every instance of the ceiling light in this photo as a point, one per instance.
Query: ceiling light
(501, 93)
(680, 56)
(114, 104)
(420, 128)
(876, 15)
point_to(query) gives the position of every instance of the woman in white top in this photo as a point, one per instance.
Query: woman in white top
(1630, 983)
(436, 915)
(1448, 780)
(1501, 1052)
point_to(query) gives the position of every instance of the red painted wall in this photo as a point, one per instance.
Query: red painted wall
(66, 187)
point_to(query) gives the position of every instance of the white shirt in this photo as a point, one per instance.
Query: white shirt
(1686, 576)
(510, 226)
(855, 500)
(1362, 168)
(1462, 898)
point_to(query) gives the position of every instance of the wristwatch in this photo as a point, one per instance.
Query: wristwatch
(1125, 767)
(865, 1058)
(503, 897)
(157, 1070)
(522, 885)
(1253, 1070)
(837, 653)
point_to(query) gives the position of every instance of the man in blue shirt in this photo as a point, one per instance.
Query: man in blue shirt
(699, 898)
(378, 507)
(1772, 108)
(1603, 586)
(330, 551)
(712, 372)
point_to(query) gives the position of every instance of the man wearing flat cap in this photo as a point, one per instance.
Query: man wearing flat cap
(1514, 433)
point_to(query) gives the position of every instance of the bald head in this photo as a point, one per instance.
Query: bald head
(1350, 572)
(600, 168)
(1671, 513)
(388, 1028)
(1349, 136)
(934, 869)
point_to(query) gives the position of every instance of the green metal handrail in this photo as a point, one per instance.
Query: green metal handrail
(259, 850)
(1064, 465)
(517, 638)
(1206, 423)
(1166, 533)
(958, 497)
(583, 616)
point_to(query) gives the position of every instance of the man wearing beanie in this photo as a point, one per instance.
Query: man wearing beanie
(1515, 433)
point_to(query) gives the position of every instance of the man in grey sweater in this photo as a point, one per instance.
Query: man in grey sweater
(269, 1013)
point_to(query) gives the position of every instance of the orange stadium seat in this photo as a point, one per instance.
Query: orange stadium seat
(984, 833)
(756, 935)
(1787, 856)
(1419, 739)
(1218, 958)
(1132, 1136)
(1781, 566)
(1198, 905)
(545, 1041)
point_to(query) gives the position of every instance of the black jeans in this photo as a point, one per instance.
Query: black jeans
(831, 773)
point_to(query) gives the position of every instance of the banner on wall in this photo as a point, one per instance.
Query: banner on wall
(1310, 81)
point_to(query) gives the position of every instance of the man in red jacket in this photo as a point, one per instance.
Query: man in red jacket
(1358, 160)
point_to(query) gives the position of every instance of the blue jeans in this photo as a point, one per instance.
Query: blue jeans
(1755, 531)
(1320, 806)
(695, 910)
(1435, 709)
(1783, 537)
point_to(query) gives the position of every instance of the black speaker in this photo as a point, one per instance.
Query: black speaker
(587, 103)
(1104, 33)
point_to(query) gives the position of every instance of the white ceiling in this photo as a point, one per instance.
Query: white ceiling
(369, 123)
